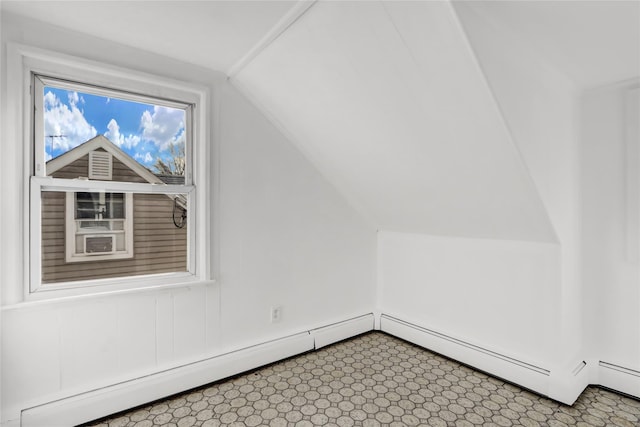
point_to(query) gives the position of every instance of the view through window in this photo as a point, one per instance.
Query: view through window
(153, 135)
(86, 136)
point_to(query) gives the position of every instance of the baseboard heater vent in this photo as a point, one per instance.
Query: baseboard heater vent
(579, 368)
(619, 368)
(465, 344)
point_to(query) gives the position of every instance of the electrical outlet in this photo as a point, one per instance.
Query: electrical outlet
(276, 313)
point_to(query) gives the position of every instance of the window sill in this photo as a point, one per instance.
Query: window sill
(132, 286)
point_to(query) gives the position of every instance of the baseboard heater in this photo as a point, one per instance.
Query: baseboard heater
(618, 368)
(619, 378)
(83, 407)
(510, 369)
(385, 319)
(342, 330)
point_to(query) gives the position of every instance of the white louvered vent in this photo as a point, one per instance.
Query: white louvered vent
(100, 165)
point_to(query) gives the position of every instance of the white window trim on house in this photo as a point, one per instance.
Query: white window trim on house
(72, 230)
(23, 63)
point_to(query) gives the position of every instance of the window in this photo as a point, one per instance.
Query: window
(138, 141)
(112, 177)
(98, 226)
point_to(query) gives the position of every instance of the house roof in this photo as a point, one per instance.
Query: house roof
(171, 179)
(102, 142)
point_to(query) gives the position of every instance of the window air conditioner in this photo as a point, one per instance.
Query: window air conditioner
(99, 244)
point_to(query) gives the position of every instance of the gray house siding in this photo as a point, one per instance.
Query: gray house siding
(158, 245)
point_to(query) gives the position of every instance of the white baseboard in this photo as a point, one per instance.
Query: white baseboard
(84, 407)
(522, 373)
(619, 378)
(342, 330)
(566, 385)
(562, 386)
(88, 406)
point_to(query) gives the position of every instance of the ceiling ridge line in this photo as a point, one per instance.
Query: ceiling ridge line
(290, 18)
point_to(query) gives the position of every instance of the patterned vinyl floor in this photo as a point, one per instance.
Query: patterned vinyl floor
(374, 380)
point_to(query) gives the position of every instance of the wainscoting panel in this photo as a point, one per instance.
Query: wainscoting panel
(98, 403)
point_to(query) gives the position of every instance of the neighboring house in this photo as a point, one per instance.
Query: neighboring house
(91, 235)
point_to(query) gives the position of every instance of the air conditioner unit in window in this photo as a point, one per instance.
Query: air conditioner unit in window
(99, 244)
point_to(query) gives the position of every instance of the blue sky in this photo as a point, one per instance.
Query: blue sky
(143, 131)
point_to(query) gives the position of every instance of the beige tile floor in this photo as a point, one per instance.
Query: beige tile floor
(375, 380)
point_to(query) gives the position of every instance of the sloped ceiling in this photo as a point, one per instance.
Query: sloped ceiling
(211, 34)
(594, 42)
(388, 101)
(386, 98)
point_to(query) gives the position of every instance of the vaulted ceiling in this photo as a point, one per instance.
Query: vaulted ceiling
(593, 42)
(386, 98)
(212, 34)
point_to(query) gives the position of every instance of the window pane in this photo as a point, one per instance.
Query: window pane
(153, 136)
(99, 206)
(139, 234)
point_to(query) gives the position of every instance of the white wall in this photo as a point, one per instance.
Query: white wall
(282, 235)
(610, 274)
(539, 106)
(500, 295)
(518, 298)
(2, 113)
(582, 292)
(287, 237)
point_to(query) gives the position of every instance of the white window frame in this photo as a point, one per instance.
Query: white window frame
(26, 62)
(632, 167)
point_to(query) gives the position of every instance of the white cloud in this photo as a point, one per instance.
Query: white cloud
(146, 158)
(114, 135)
(65, 127)
(163, 127)
(131, 141)
(50, 100)
(74, 98)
